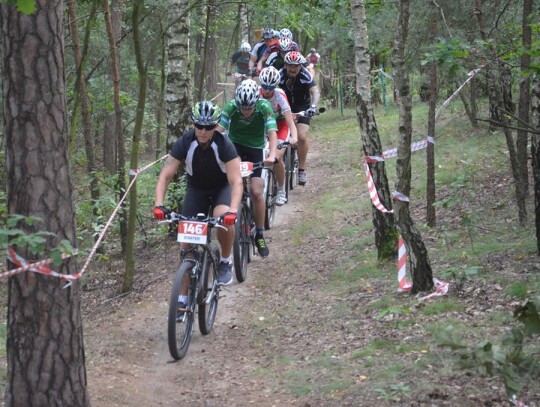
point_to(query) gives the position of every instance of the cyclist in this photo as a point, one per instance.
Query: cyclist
(270, 78)
(285, 32)
(274, 54)
(248, 120)
(303, 95)
(313, 58)
(270, 37)
(240, 59)
(213, 178)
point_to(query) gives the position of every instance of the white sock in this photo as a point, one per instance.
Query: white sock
(227, 260)
(182, 298)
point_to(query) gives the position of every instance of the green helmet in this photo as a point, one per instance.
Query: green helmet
(206, 112)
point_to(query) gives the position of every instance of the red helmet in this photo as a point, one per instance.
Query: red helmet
(293, 58)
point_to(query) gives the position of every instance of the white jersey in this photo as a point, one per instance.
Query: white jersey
(280, 103)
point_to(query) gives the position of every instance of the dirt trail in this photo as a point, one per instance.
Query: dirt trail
(128, 361)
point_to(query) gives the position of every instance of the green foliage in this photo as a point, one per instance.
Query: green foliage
(23, 6)
(509, 359)
(394, 392)
(450, 53)
(529, 315)
(35, 242)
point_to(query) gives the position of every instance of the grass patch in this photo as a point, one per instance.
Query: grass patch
(442, 307)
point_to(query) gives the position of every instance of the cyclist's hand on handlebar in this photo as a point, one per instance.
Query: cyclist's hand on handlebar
(160, 212)
(270, 160)
(312, 111)
(229, 218)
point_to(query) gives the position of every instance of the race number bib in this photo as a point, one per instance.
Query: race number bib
(192, 232)
(246, 168)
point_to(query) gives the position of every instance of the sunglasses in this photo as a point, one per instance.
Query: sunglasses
(205, 126)
(266, 87)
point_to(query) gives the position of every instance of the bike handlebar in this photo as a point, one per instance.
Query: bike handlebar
(174, 217)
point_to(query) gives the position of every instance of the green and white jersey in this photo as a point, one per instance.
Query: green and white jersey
(248, 131)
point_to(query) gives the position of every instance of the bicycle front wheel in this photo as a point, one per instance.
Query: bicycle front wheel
(208, 295)
(288, 170)
(180, 321)
(270, 199)
(242, 240)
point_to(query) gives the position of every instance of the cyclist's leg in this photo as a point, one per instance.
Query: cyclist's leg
(257, 186)
(279, 167)
(302, 128)
(222, 200)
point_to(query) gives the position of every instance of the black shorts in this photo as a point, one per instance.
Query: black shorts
(303, 120)
(254, 155)
(198, 200)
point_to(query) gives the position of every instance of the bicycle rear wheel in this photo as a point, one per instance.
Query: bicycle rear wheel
(241, 243)
(180, 323)
(208, 294)
(270, 199)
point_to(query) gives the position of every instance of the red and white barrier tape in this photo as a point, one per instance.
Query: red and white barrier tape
(402, 266)
(40, 267)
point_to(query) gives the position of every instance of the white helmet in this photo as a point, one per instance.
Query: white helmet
(269, 76)
(247, 94)
(245, 47)
(285, 44)
(285, 32)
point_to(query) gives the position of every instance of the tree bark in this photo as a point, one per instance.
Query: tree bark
(385, 231)
(244, 26)
(524, 95)
(535, 153)
(418, 256)
(178, 90)
(45, 351)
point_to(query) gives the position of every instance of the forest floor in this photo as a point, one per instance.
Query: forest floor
(318, 322)
(303, 329)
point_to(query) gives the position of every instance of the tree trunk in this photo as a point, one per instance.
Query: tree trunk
(113, 33)
(500, 100)
(82, 97)
(524, 95)
(178, 93)
(244, 26)
(45, 351)
(431, 219)
(211, 51)
(385, 231)
(138, 5)
(418, 257)
(535, 153)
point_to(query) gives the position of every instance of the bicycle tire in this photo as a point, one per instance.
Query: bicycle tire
(242, 241)
(288, 169)
(208, 289)
(270, 200)
(179, 333)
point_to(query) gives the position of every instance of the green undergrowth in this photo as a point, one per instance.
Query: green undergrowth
(381, 343)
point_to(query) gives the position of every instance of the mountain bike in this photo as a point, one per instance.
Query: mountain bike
(198, 273)
(245, 220)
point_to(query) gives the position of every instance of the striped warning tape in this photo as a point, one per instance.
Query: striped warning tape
(40, 266)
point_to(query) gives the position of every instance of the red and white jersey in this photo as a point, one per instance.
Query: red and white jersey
(280, 103)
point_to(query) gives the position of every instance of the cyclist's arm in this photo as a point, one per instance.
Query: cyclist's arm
(165, 177)
(292, 126)
(315, 95)
(272, 145)
(235, 181)
(261, 62)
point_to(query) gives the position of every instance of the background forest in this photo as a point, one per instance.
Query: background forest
(133, 70)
